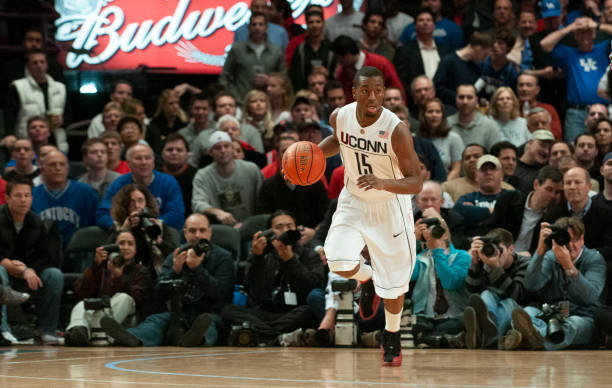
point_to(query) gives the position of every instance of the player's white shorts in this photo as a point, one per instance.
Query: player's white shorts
(387, 228)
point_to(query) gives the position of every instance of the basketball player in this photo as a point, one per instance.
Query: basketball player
(374, 209)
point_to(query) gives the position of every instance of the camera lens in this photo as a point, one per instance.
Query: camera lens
(488, 249)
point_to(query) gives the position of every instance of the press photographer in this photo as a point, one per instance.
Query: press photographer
(279, 275)
(570, 279)
(196, 280)
(116, 275)
(135, 208)
(495, 279)
(439, 295)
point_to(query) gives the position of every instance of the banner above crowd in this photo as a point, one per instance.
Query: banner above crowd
(186, 36)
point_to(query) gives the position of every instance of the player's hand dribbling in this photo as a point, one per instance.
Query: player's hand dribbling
(369, 181)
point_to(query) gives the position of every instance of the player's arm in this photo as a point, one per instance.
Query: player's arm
(409, 164)
(330, 144)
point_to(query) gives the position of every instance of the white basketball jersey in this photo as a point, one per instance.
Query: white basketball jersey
(367, 150)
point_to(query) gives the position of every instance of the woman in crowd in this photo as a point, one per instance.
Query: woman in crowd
(155, 239)
(280, 92)
(169, 116)
(504, 109)
(118, 276)
(256, 111)
(603, 135)
(433, 126)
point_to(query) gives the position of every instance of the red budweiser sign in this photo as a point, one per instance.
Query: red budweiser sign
(190, 36)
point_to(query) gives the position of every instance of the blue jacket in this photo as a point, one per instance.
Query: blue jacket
(164, 188)
(546, 276)
(451, 269)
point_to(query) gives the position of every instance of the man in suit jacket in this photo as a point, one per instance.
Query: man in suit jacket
(422, 55)
(521, 213)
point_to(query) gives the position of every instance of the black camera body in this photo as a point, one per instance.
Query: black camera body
(117, 260)
(110, 248)
(490, 246)
(554, 318)
(559, 235)
(290, 237)
(151, 228)
(173, 286)
(200, 247)
(434, 226)
(96, 304)
(243, 335)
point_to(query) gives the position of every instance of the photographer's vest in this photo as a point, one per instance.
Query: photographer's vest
(32, 101)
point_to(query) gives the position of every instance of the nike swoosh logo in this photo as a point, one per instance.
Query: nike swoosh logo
(395, 235)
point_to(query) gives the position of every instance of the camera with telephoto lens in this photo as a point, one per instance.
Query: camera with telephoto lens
(116, 259)
(490, 246)
(558, 235)
(200, 247)
(96, 303)
(554, 318)
(290, 237)
(434, 226)
(110, 248)
(243, 335)
(151, 228)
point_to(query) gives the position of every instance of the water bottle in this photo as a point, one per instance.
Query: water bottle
(240, 295)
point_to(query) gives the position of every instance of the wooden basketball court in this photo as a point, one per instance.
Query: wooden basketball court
(32, 366)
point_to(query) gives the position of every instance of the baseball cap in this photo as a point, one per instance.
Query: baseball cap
(217, 137)
(607, 157)
(543, 134)
(550, 8)
(488, 159)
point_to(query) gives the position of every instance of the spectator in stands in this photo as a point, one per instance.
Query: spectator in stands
(497, 70)
(422, 55)
(594, 113)
(131, 132)
(433, 125)
(298, 39)
(537, 151)
(39, 132)
(583, 67)
(95, 158)
(539, 118)
(304, 110)
(396, 21)
(273, 32)
(280, 93)
(314, 54)
(128, 285)
(439, 290)
(520, 54)
(559, 149)
(72, 204)
(422, 90)
(256, 112)
(373, 38)
(520, 213)
(164, 188)
(37, 94)
(585, 151)
(528, 88)
(557, 275)
(476, 207)
(308, 204)
(393, 98)
(175, 154)
(208, 279)
(351, 59)
(111, 114)
(114, 148)
(423, 147)
(461, 67)
(316, 84)
(504, 109)
(122, 90)
(603, 135)
(275, 269)
(507, 154)
(23, 155)
(605, 195)
(447, 32)
(311, 131)
(280, 12)
(169, 117)
(225, 104)
(244, 69)
(497, 286)
(227, 188)
(469, 123)
(504, 16)
(29, 257)
(199, 109)
(347, 22)
(335, 98)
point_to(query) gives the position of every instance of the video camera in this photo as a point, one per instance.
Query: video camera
(290, 237)
(151, 228)
(490, 246)
(558, 235)
(200, 247)
(434, 226)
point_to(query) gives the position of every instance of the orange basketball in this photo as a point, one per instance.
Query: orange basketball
(304, 163)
